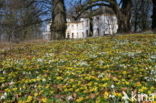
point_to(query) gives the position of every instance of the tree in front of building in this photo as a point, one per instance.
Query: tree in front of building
(58, 26)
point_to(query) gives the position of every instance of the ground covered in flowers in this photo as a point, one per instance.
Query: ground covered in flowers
(90, 70)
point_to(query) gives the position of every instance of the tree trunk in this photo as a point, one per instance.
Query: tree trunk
(58, 26)
(91, 27)
(123, 15)
(154, 16)
(121, 20)
(91, 22)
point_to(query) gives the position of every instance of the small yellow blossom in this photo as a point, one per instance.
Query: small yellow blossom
(106, 95)
(29, 99)
(44, 100)
(35, 94)
(142, 89)
(80, 99)
(59, 78)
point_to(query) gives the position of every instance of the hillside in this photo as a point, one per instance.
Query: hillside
(98, 69)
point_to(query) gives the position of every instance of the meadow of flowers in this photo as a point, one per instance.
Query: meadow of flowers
(94, 70)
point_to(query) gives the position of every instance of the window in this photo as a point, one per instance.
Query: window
(98, 19)
(72, 35)
(103, 32)
(83, 34)
(68, 36)
(68, 25)
(98, 31)
(87, 32)
(87, 23)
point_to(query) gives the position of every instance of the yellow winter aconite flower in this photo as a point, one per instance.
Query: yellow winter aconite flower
(77, 90)
(29, 99)
(127, 83)
(7, 90)
(47, 86)
(39, 86)
(104, 85)
(117, 94)
(71, 89)
(106, 95)
(44, 100)
(105, 78)
(138, 84)
(79, 82)
(74, 86)
(93, 89)
(90, 83)
(2, 79)
(106, 66)
(36, 94)
(149, 92)
(115, 79)
(71, 80)
(124, 72)
(22, 101)
(80, 99)
(14, 89)
(142, 89)
(98, 100)
(59, 78)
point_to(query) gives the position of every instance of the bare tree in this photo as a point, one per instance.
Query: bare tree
(20, 20)
(141, 14)
(58, 27)
(122, 10)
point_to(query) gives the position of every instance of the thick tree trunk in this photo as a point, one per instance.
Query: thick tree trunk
(123, 25)
(58, 27)
(91, 27)
(123, 15)
(154, 16)
(136, 21)
(122, 21)
(91, 22)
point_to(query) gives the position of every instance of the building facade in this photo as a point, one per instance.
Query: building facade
(103, 23)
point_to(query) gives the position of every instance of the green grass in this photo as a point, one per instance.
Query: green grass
(89, 70)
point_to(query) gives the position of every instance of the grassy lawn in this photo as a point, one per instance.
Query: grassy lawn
(100, 70)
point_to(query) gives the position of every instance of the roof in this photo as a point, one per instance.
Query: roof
(103, 10)
(99, 11)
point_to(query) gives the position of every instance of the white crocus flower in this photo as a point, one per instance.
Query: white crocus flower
(125, 97)
(3, 96)
(111, 96)
(69, 98)
(11, 83)
(112, 86)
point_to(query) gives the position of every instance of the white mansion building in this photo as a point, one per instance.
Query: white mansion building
(104, 22)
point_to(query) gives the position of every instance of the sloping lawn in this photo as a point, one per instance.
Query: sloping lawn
(101, 70)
